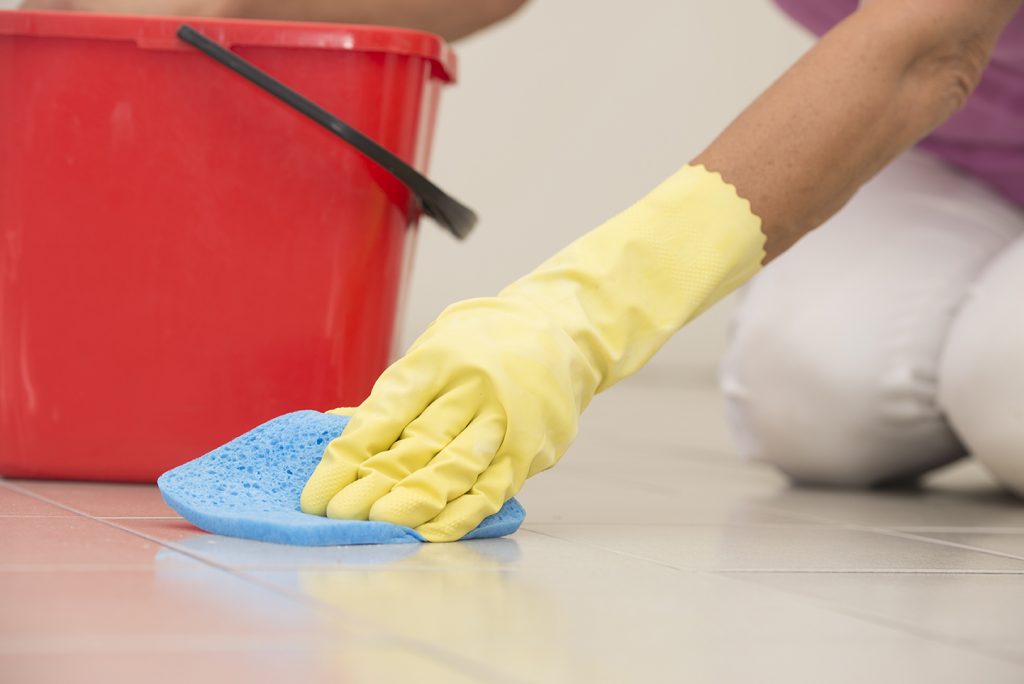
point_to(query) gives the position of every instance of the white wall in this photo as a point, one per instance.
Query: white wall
(572, 110)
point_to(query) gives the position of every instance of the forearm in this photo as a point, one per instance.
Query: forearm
(871, 88)
(452, 19)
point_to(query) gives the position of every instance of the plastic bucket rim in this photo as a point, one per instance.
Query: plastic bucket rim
(159, 32)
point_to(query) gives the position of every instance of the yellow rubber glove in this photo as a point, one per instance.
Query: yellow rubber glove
(492, 392)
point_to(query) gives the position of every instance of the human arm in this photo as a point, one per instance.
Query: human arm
(869, 89)
(491, 393)
(451, 19)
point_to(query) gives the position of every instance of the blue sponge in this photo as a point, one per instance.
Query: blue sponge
(250, 488)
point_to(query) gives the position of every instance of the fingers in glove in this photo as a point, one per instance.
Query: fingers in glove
(420, 441)
(424, 493)
(492, 489)
(374, 427)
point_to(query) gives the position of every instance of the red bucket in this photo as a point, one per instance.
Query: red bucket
(182, 256)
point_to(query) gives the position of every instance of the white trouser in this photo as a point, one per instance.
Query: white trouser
(889, 341)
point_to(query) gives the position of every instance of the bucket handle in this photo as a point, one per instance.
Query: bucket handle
(434, 202)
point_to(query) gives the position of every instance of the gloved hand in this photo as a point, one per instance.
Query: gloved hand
(492, 392)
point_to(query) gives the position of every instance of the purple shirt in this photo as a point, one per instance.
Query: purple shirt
(987, 136)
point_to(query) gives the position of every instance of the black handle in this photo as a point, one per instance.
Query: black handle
(435, 203)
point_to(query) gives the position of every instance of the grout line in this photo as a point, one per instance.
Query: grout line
(115, 644)
(52, 502)
(624, 554)
(32, 568)
(139, 517)
(900, 533)
(36, 516)
(959, 530)
(4, 484)
(896, 531)
(803, 570)
(884, 531)
(944, 542)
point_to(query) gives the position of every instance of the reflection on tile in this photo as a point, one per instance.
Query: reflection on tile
(14, 503)
(463, 601)
(68, 541)
(244, 553)
(347, 643)
(177, 598)
(103, 499)
(777, 548)
(570, 613)
(252, 664)
(339, 646)
(455, 597)
(178, 607)
(986, 611)
(275, 660)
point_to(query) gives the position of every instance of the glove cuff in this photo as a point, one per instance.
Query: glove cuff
(623, 289)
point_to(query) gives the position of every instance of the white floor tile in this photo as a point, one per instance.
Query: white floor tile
(983, 611)
(1005, 542)
(771, 549)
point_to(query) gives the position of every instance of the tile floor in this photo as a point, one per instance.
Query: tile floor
(650, 554)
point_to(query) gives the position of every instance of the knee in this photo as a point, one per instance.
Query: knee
(828, 415)
(988, 419)
(982, 372)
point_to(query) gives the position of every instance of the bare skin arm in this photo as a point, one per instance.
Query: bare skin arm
(871, 88)
(452, 19)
